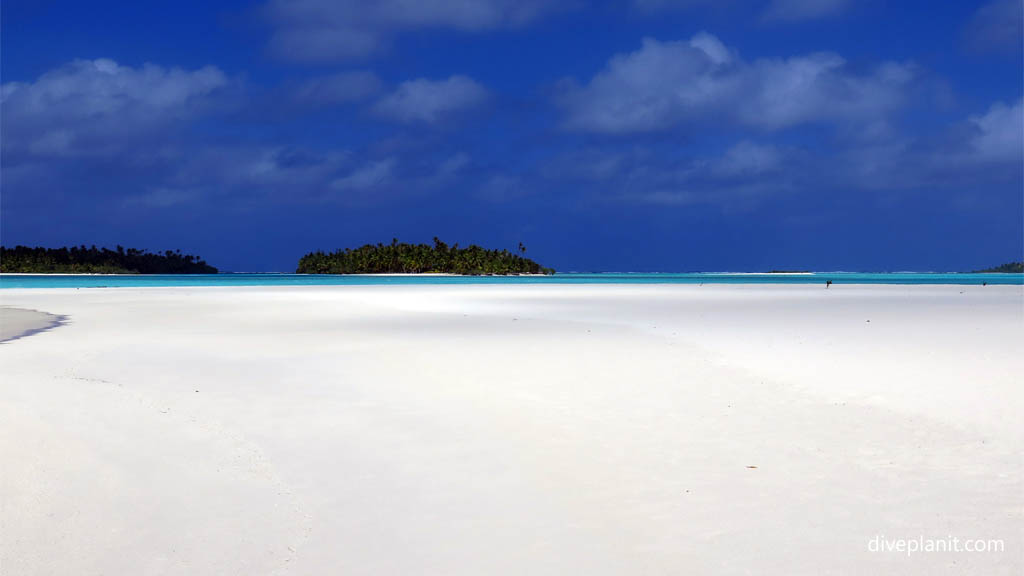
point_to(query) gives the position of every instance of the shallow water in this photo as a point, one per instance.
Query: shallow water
(165, 280)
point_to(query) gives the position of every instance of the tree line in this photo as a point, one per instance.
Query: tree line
(402, 258)
(1008, 268)
(93, 260)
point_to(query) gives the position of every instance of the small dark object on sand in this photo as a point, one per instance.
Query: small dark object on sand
(828, 283)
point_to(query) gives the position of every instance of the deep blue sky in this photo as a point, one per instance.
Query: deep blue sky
(641, 135)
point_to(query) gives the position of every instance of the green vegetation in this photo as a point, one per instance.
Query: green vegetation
(1008, 268)
(92, 260)
(419, 258)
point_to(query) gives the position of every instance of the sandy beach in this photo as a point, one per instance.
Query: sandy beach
(539, 429)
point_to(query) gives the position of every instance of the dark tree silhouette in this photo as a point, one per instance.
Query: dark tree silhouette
(405, 258)
(92, 260)
(1008, 268)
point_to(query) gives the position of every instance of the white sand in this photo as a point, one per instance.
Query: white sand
(512, 430)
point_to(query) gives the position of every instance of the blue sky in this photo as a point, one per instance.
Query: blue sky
(645, 135)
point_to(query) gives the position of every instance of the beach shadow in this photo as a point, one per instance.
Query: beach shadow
(43, 322)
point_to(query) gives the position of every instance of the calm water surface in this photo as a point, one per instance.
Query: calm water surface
(165, 280)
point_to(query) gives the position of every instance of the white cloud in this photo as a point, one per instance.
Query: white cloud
(102, 88)
(665, 84)
(331, 30)
(646, 90)
(120, 135)
(251, 175)
(712, 47)
(741, 175)
(999, 135)
(997, 25)
(250, 172)
(429, 101)
(819, 88)
(95, 107)
(372, 175)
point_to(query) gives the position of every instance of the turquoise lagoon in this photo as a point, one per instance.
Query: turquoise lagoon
(168, 280)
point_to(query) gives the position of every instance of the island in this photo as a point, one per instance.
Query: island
(402, 258)
(1008, 268)
(93, 260)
